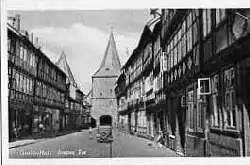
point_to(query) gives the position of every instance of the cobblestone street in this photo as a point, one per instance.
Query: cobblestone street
(78, 145)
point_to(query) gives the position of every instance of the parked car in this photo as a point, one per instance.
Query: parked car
(104, 134)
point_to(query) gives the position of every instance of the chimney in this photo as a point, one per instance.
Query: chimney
(27, 35)
(31, 38)
(18, 22)
(36, 42)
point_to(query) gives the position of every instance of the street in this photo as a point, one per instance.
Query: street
(78, 145)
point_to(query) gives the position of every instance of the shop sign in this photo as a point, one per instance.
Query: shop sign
(204, 86)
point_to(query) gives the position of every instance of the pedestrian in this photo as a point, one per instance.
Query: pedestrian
(19, 129)
(90, 133)
(41, 127)
(16, 132)
(159, 139)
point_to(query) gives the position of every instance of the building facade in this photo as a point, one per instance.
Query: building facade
(182, 49)
(36, 86)
(74, 109)
(198, 64)
(214, 124)
(225, 61)
(103, 85)
(22, 75)
(49, 101)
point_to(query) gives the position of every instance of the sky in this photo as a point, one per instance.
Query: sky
(81, 28)
(83, 35)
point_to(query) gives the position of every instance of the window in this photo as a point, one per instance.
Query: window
(9, 76)
(207, 21)
(195, 33)
(180, 51)
(229, 98)
(216, 117)
(21, 83)
(175, 56)
(220, 15)
(25, 54)
(21, 51)
(17, 81)
(30, 86)
(9, 45)
(184, 48)
(25, 84)
(190, 39)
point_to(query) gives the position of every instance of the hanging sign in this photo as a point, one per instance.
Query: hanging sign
(204, 87)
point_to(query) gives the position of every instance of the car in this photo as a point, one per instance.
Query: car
(104, 134)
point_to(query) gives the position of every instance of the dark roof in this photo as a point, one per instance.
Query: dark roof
(157, 30)
(110, 65)
(145, 38)
(63, 64)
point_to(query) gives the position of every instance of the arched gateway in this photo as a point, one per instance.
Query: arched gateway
(105, 120)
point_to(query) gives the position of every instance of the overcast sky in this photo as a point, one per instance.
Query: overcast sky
(83, 35)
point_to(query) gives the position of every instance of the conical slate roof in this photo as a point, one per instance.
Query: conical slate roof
(63, 64)
(110, 65)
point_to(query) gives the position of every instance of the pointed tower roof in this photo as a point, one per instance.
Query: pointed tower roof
(110, 65)
(63, 64)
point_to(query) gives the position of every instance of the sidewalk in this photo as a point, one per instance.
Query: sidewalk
(24, 142)
(153, 144)
(35, 138)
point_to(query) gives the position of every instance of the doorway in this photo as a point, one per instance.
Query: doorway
(105, 120)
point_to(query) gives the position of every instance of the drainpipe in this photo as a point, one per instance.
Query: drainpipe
(244, 129)
(206, 131)
(244, 114)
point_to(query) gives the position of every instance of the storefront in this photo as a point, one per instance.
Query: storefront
(20, 120)
(42, 119)
(142, 123)
(55, 119)
(176, 118)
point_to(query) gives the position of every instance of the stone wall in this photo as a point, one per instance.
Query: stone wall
(104, 87)
(103, 98)
(104, 107)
